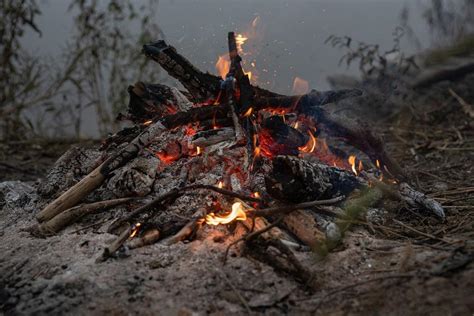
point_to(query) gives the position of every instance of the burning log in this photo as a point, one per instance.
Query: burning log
(297, 180)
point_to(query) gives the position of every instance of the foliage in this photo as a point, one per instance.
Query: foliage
(98, 61)
(371, 60)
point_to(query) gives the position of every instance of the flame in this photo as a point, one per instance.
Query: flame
(198, 150)
(220, 184)
(352, 162)
(256, 195)
(135, 230)
(360, 167)
(223, 65)
(377, 163)
(256, 151)
(238, 214)
(240, 40)
(147, 122)
(310, 145)
(300, 86)
(249, 112)
(249, 74)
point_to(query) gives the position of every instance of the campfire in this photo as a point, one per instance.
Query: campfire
(227, 154)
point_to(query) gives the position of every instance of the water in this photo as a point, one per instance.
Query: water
(289, 42)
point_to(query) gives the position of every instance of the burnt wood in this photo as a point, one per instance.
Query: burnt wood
(296, 180)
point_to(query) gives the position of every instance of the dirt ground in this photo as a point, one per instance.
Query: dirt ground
(411, 263)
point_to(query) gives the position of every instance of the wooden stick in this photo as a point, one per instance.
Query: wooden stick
(149, 237)
(72, 196)
(73, 214)
(115, 245)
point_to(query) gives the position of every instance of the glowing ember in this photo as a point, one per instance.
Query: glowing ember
(360, 167)
(223, 65)
(352, 162)
(256, 195)
(198, 150)
(135, 230)
(148, 122)
(238, 214)
(377, 163)
(220, 184)
(300, 86)
(256, 151)
(310, 145)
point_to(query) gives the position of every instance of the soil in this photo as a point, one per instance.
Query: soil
(408, 263)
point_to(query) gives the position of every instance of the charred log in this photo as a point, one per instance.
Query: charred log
(296, 180)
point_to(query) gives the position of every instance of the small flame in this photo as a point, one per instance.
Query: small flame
(220, 184)
(147, 122)
(135, 230)
(300, 86)
(223, 65)
(238, 214)
(256, 195)
(249, 74)
(310, 145)
(352, 162)
(240, 40)
(256, 151)
(198, 150)
(248, 112)
(377, 163)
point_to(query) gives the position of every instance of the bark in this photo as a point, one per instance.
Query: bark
(296, 180)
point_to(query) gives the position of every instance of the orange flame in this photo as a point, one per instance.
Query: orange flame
(147, 122)
(352, 162)
(135, 230)
(300, 86)
(238, 214)
(240, 40)
(220, 184)
(223, 65)
(377, 163)
(310, 145)
(256, 195)
(256, 151)
(248, 112)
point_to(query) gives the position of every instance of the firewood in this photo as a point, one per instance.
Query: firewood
(189, 229)
(149, 237)
(74, 195)
(417, 199)
(303, 225)
(73, 214)
(297, 180)
(210, 137)
(115, 245)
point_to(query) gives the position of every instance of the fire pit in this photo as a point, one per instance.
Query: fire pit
(227, 154)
